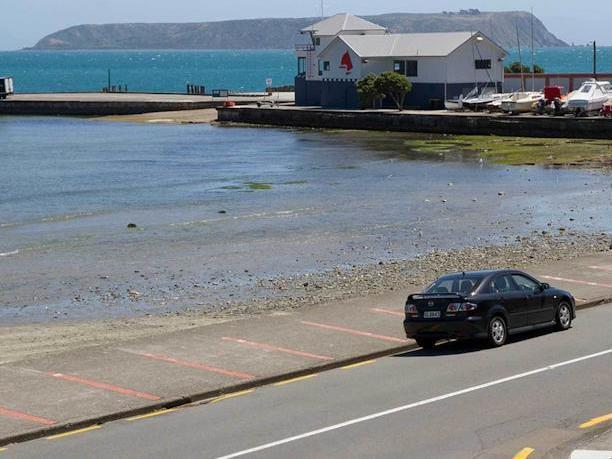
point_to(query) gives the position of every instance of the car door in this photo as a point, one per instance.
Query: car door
(537, 308)
(513, 299)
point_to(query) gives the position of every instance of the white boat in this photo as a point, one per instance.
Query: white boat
(590, 97)
(521, 102)
(457, 102)
(453, 104)
(499, 100)
(486, 97)
(6, 87)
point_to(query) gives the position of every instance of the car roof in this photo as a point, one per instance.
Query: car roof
(484, 273)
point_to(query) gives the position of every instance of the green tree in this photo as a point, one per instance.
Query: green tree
(516, 67)
(395, 86)
(368, 91)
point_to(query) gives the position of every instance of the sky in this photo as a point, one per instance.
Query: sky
(24, 22)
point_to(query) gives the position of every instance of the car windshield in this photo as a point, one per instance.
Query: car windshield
(456, 283)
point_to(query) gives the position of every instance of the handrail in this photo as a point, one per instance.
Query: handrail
(304, 47)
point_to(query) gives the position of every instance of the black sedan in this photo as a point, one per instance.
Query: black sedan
(485, 304)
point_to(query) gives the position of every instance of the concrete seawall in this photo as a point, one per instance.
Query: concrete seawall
(95, 108)
(105, 104)
(423, 121)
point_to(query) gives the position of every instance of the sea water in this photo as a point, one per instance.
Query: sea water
(171, 71)
(219, 209)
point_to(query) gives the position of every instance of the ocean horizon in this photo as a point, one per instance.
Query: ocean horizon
(169, 71)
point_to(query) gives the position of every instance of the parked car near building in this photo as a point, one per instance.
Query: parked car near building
(485, 304)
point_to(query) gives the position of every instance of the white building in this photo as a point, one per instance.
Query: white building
(439, 65)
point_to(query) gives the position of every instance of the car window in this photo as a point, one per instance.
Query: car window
(502, 284)
(524, 283)
(442, 286)
(456, 283)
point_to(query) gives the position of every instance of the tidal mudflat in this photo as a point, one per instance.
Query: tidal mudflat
(226, 221)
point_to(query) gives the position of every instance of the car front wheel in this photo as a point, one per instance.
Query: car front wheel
(564, 316)
(498, 332)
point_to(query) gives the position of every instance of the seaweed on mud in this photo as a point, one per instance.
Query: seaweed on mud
(258, 186)
(520, 151)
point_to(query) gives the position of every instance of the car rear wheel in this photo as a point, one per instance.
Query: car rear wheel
(564, 316)
(498, 332)
(426, 343)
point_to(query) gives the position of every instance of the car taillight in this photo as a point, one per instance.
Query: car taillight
(411, 310)
(461, 307)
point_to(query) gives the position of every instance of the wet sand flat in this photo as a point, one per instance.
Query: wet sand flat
(180, 117)
(232, 220)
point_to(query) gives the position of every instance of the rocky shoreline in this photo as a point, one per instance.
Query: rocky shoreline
(283, 294)
(396, 275)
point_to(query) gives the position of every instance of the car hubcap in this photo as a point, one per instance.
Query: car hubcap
(498, 331)
(564, 316)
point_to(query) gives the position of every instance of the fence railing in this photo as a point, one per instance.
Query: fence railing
(569, 81)
(304, 47)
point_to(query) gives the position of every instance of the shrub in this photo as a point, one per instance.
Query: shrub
(374, 88)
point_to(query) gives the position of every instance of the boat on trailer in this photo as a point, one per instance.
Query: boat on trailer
(486, 97)
(522, 102)
(590, 97)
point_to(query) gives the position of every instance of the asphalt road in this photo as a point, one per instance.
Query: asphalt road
(457, 401)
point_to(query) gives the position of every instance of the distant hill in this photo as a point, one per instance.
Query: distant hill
(280, 33)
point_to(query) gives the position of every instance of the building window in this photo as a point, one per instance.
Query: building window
(406, 68)
(324, 66)
(412, 68)
(483, 64)
(301, 65)
(318, 41)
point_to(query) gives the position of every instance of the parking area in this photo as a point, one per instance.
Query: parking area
(91, 385)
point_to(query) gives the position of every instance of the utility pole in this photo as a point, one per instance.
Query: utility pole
(532, 55)
(595, 59)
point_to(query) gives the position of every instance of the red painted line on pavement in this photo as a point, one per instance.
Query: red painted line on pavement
(388, 312)
(7, 412)
(197, 366)
(603, 268)
(355, 332)
(269, 347)
(104, 386)
(575, 281)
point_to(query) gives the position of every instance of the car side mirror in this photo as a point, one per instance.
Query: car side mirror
(545, 286)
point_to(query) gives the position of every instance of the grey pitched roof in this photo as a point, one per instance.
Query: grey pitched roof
(408, 44)
(342, 22)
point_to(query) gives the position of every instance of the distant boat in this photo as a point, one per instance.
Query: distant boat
(6, 87)
(590, 97)
(521, 102)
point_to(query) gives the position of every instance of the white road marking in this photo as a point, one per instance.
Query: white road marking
(414, 405)
(586, 454)
(576, 281)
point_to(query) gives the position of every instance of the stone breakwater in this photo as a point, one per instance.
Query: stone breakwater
(437, 122)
